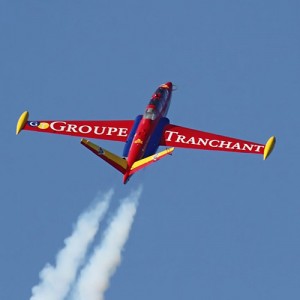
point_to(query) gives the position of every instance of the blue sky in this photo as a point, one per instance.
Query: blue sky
(209, 225)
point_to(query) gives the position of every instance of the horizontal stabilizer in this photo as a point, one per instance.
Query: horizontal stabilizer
(114, 160)
(149, 160)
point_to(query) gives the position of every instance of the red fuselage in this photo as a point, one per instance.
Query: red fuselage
(155, 110)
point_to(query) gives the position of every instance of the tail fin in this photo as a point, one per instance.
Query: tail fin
(114, 160)
(138, 165)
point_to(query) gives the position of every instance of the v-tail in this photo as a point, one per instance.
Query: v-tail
(120, 163)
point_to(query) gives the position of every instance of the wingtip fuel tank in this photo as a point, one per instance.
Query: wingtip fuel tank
(269, 146)
(22, 121)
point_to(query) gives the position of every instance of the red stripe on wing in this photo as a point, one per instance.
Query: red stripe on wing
(177, 136)
(114, 130)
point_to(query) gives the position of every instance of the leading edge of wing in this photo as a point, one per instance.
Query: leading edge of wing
(114, 130)
(183, 137)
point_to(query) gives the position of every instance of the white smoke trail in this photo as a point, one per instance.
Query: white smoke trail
(94, 278)
(57, 280)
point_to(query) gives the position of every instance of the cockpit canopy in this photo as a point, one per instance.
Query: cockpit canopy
(156, 103)
(150, 113)
(160, 93)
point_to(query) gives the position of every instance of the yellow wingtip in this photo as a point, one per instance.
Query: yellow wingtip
(269, 146)
(22, 121)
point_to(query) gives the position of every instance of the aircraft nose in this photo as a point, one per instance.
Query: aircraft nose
(167, 84)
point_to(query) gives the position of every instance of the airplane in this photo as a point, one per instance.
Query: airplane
(144, 135)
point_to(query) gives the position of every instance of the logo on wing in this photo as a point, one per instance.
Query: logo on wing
(40, 125)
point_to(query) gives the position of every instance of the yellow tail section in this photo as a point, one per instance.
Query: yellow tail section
(120, 163)
(114, 160)
(138, 165)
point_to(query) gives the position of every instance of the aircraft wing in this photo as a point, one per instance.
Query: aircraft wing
(177, 136)
(114, 130)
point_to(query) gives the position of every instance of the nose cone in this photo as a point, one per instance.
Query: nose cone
(168, 85)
